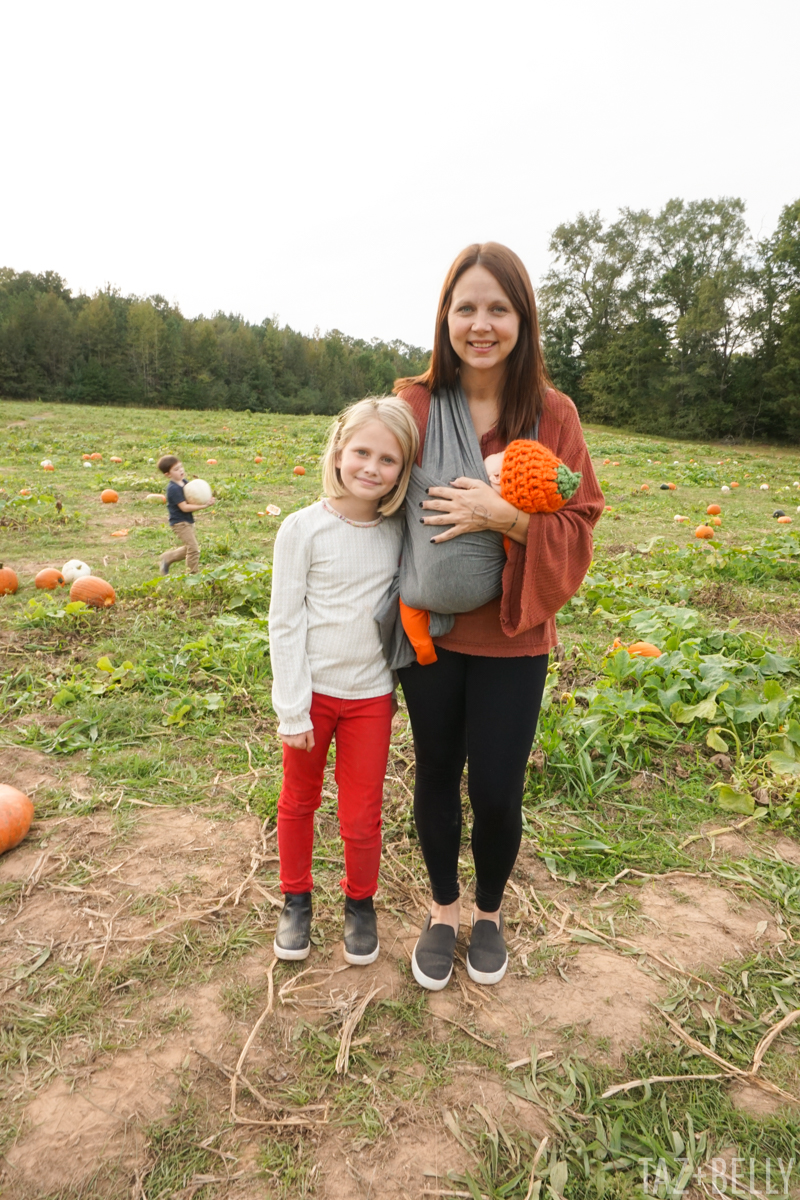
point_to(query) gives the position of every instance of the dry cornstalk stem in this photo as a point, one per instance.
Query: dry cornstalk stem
(539, 1152)
(349, 1028)
(712, 833)
(469, 1033)
(523, 1062)
(251, 1037)
(769, 1037)
(633, 1083)
(643, 875)
(730, 1068)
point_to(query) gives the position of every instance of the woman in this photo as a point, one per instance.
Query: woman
(479, 701)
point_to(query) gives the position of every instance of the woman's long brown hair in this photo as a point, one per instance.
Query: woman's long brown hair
(526, 378)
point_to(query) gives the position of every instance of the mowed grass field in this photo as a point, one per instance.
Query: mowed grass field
(151, 1047)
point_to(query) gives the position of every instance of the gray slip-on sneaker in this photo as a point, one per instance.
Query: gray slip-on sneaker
(432, 960)
(487, 957)
(293, 935)
(361, 945)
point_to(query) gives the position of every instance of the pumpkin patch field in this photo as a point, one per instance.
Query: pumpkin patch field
(646, 1033)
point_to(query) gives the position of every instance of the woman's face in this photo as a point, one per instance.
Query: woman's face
(482, 322)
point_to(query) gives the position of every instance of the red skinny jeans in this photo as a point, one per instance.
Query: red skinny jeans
(362, 729)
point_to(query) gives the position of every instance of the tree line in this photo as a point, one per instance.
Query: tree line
(680, 323)
(115, 349)
(676, 323)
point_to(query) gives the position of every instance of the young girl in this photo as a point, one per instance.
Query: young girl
(333, 562)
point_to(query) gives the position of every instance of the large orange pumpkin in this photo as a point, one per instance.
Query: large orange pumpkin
(637, 649)
(109, 496)
(16, 814)
(50, 578)
(644, 650)
(713, 510)
(8, 581)
(93, 591)
(704, 531)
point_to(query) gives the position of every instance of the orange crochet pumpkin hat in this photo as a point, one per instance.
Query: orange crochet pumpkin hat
(534, 480)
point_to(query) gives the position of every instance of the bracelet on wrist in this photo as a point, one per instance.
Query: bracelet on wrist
(513, 523)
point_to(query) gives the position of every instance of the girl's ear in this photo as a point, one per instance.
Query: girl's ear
(337, 458)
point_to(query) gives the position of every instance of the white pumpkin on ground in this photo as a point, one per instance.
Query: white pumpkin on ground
(197, 491)
(75, 569)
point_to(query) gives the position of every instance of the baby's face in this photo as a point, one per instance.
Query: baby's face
(494, 465)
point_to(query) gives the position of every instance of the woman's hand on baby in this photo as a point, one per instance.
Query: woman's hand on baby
(299, 741)
(468, 505)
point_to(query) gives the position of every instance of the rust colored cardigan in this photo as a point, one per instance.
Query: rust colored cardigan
(541, 576)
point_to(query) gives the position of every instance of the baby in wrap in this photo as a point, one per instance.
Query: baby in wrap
(531, 478)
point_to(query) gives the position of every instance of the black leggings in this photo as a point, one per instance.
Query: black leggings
(465, 707)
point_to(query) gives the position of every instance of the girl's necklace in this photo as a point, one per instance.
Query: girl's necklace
(358, 524)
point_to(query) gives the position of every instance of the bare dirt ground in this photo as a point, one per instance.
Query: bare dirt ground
(116, 891)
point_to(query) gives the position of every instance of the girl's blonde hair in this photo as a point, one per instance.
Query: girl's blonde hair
(398, 419)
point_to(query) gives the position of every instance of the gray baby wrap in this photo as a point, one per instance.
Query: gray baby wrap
(454, 576)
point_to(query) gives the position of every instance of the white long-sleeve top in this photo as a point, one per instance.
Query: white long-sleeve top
(328, 575)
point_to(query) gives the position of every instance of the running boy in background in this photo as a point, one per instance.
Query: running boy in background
(333, 561)
(180, 517)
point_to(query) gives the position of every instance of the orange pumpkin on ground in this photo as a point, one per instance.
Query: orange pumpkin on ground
(8, 581)
(733, 484)
(713, 510)
(16, 814)
(24, 491)
(644, 650)
(158, 497)
(96, 457)
(109, 496)
(638, 649)
(258, 459)
(211, 462)
(299, 471)
(715, 520)
(50, 578)
(85, 457)
(645, 487)
(48, 467)
(704, 531)
(94, 591)
(784, 520)
(115, 459)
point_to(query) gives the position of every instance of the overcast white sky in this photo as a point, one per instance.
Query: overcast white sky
(326, 161)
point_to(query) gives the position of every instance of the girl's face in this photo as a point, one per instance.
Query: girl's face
(370, 462)
(482, 322)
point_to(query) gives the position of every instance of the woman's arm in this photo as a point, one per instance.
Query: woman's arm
(540, 578)
(470, 505)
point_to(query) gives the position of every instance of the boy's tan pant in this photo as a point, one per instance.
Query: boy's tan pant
(189, 550)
